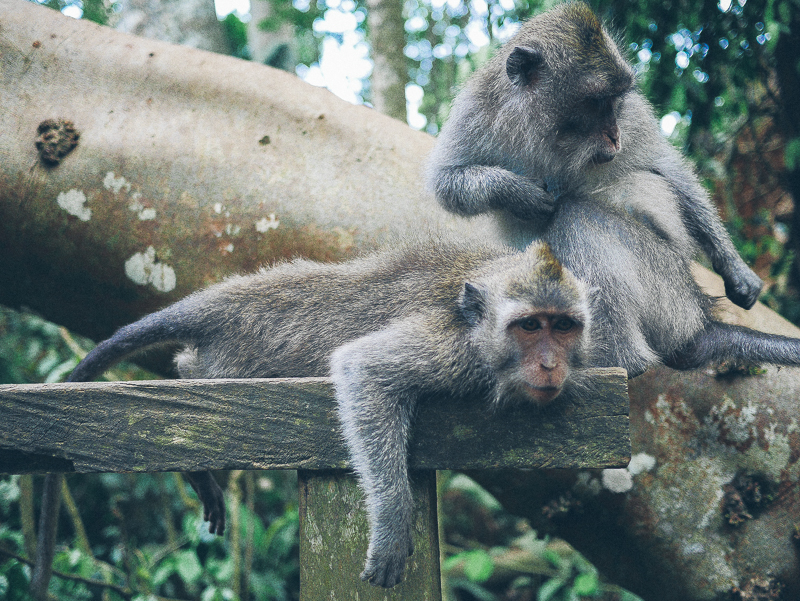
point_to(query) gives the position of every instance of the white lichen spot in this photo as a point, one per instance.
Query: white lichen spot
(617, 480)
(641, 462)
(218, 206)
(741, 427)
(143, 269)
(115, 184)
(694, 548)
(163, 277)
(265, 224)
(73, 203)
(144, 213)
(228, 248)
(232, 230)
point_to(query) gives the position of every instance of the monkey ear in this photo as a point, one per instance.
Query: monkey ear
(472, 304)
(523, 65)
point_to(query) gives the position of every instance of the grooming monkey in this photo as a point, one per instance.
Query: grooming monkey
(390, 329)
(555, 115)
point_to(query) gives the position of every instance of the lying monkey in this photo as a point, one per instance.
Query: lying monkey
(390, 329)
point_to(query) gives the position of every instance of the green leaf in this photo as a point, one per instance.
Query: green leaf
(553, 557)
(165, 569)
(188, 566)
(585, 584)
(791, 154)
(478, 565)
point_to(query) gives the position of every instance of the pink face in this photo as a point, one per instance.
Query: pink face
(546, 341)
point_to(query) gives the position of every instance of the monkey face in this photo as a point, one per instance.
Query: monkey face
(589, 134)
(546, 342)
(534, 356)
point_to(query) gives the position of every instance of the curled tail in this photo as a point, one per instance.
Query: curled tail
(181, 322)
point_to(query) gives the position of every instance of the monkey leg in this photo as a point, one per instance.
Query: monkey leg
(719, 342)
(377, 384)
(212, 497)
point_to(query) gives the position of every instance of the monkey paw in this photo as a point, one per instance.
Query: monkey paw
(386, 569)
(535, 202)
(744, 289)
(213, 500)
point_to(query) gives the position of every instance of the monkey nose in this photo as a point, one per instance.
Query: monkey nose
(613, 136)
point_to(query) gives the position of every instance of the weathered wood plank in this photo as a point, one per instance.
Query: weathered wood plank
(184, 425)
(334, 535)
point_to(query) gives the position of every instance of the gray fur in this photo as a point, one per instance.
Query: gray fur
(522, 147)
(646, 306)
(390, 329)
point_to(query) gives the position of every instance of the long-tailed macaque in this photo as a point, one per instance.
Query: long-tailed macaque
(390, 329)
(556, 115)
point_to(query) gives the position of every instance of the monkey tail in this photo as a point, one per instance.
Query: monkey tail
(720, 342)
(181, 322)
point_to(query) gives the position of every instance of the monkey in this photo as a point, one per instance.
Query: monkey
(555, 115)
(391, 329)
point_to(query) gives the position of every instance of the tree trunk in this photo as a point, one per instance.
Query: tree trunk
(389, 73)
(189, 166)
(274, 48)
(190, 23)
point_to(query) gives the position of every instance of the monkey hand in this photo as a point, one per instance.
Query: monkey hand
(744, 287)
(386, 561)
(212, 497)
(531, 201)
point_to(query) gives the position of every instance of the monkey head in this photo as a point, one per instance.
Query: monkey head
(530, 325)
(571, 74)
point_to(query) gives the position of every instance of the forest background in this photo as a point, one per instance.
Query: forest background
(724, 78)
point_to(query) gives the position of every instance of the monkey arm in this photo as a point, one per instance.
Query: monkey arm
(472, 189)
(377, 380)
(742, 285)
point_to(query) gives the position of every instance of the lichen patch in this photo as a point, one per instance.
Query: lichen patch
(143, 269)
(115, 184)
(265, 224)
(144, 213)
(56, 139)
(641, 462)
(617, 480)
(73, 202)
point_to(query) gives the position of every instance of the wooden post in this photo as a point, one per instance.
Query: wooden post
(334, 535)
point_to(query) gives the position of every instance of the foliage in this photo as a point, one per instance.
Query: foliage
(99, 11)
(236, 32)
(491, 555)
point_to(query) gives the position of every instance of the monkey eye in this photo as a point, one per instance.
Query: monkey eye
(564, 324)
(530, 324)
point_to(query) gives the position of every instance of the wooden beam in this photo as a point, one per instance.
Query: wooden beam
(186, 425)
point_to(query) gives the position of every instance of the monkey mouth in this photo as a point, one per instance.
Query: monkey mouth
(603, 157)
(542, 394)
